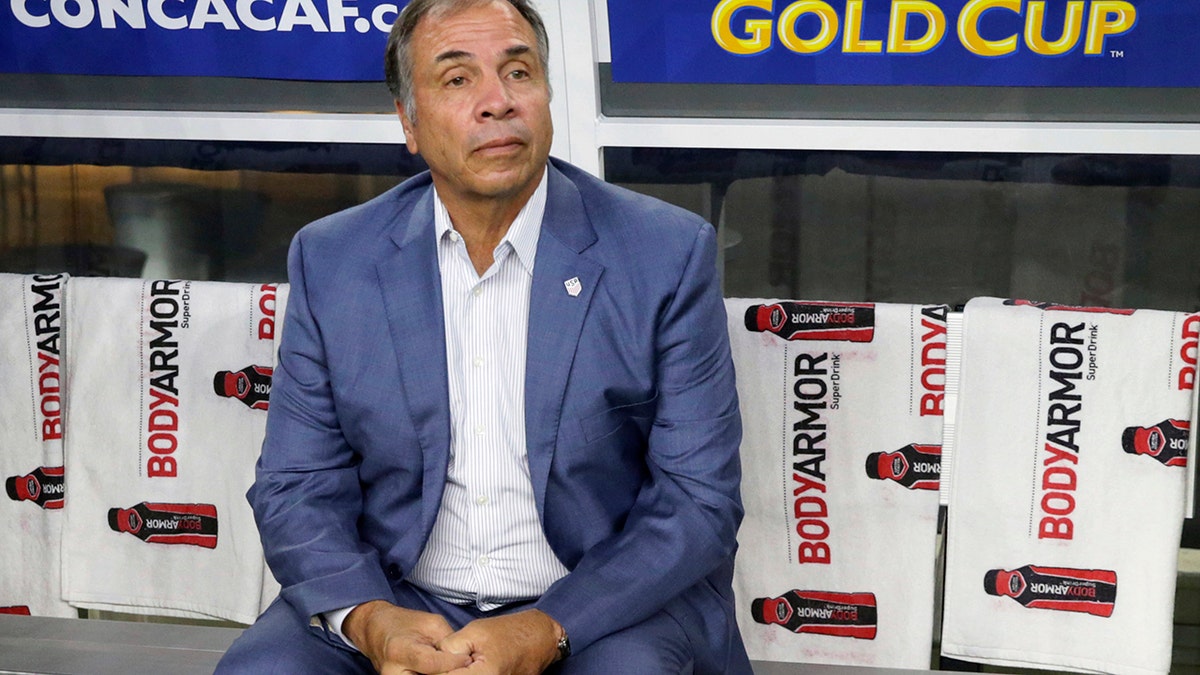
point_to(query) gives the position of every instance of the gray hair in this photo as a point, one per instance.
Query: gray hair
(397, 61)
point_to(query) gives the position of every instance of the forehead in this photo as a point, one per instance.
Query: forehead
(471, 32)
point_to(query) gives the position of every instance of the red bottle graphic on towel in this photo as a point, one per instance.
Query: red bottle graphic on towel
(1059, 588)
(915, 466)
(44, 487)
(158, 523)
(1166, 441)
(843, 321)
(821, 612)
(19, 610)
(250, 385)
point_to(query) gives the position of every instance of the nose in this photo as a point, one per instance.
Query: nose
(495, 99)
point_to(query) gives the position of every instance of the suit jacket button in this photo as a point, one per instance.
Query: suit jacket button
(393, 571)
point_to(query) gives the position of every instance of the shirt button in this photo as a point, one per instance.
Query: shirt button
(484, 560)
(453, 235)
(481, 500)
(478, 361)
(478, 431)
(477, 291)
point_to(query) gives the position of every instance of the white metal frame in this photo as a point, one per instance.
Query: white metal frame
(579, 39)
(160, 125)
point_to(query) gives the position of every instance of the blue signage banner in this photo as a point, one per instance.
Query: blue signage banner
(278, 39)
(1018, 43)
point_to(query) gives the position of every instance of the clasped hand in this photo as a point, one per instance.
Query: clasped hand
(402, 641)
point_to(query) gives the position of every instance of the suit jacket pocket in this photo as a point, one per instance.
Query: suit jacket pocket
(607, 422)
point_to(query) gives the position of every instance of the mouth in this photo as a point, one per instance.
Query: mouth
(501, 146)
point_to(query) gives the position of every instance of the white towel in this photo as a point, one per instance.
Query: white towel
(839, 479)
(31, 459)
(1066, 498)
(166, 408)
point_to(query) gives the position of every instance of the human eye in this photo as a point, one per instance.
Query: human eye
(455, 81)
(519, 74)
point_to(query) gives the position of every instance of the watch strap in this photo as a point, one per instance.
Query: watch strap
(564, 646)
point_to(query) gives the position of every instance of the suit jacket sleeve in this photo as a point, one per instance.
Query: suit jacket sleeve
(306, 497)
(684, 521)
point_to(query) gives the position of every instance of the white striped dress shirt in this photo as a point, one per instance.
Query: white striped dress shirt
(487, 546)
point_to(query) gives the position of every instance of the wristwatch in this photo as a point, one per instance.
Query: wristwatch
(564, 646)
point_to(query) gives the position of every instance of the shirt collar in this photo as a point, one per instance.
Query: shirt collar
(522, 234)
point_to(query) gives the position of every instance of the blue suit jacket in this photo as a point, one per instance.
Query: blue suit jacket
(631, 412)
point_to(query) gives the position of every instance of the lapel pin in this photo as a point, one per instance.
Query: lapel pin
(573, 286)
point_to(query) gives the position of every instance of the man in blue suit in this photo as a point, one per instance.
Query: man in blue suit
(503, 431)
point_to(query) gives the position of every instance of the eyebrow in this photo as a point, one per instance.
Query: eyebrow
(517, 50)
(459, 54)
(453, 55)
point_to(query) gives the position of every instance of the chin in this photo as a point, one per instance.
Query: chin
(506, 185)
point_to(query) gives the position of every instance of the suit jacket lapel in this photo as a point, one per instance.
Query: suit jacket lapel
(555, 319)
(412, 294)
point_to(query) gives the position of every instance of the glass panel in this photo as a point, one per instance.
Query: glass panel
(939, 227)
(175, 209)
